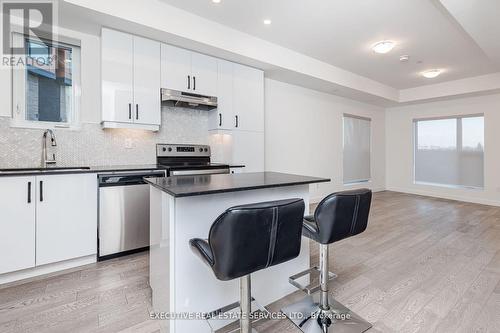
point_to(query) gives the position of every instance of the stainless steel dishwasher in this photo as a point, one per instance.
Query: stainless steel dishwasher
(124, 212)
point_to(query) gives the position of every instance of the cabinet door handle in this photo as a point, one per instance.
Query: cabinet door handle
(189, 81)
(236, 120)
(137, 111)
(129, 110)
(194, 82)
(41, 190)
(220, 119)
(29, 192)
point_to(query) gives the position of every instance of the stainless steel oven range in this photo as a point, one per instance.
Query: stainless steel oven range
(181, 160)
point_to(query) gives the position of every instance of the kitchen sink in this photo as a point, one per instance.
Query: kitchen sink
(50, 169)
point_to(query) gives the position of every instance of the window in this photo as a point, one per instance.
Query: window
(450, 151)
(356, 161)
(45, 86)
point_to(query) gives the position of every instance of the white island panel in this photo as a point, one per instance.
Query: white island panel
(181, 282)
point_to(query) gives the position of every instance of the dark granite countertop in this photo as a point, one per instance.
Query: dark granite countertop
(184, 186)
(72, 170)
(58, 170)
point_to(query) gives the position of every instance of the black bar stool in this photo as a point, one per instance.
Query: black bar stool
(248, 238)
(338, 216)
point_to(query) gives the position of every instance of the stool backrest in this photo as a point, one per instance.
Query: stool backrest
(343, 214)
(247, 238)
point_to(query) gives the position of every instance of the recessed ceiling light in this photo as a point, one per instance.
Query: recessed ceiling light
(404, 58)
(267, 21)
(383, 46)
(216, 1)
(430, 74)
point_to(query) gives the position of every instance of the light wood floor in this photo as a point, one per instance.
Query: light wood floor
(423, 265)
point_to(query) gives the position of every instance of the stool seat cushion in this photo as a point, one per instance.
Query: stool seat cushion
(338, 216)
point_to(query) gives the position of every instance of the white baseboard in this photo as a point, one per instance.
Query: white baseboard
(46, 269)
(447, 196)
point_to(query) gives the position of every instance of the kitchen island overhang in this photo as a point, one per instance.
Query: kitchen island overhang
(184, 207)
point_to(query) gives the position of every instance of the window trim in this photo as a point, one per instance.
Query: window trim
(18, 83)
(459, 146)
(355, 182)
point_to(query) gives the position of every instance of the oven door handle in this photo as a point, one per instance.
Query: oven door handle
(199, 172)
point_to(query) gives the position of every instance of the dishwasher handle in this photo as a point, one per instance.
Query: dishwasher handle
(126, 179)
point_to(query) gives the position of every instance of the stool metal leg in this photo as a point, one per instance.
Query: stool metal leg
(245, 304)
(323, 276)
(323, 314)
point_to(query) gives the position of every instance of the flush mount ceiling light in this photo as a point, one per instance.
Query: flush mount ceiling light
(267, 21)
(432, 73)
(384, 46)
(216, 1)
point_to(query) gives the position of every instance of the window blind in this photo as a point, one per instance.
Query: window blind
(450, 151)
(356, 145)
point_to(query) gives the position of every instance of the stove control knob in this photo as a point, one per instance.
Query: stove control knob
(169, 148)
(206, 150)
(164, 149)
(201, 150)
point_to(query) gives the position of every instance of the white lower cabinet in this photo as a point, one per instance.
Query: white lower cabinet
(248, 150)
(46, 219)
(66, 217)
(17, 223)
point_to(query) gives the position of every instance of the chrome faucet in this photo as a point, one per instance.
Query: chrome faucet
(45, 160)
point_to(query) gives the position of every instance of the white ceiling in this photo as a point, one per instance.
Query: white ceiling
(480, 20)
(341, 33)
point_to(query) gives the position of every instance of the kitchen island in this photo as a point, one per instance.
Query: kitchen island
(184, 207)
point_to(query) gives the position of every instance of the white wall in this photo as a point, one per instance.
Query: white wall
(399, 147)
(304, 135)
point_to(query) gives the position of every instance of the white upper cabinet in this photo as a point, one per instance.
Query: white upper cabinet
(248, 98)
(188, 71)
(147, 78)
(240, 98)
(17, 223)
(175, 68)
(117, 76)
(224, 117)
(130, 81)
(66, 217)
(204, 70)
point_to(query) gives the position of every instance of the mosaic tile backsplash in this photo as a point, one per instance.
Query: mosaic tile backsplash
(92, 146)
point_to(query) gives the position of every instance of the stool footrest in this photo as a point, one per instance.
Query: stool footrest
(224, 309)
(212, 315)
(314, 274)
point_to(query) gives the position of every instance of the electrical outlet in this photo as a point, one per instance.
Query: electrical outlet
(129, 144)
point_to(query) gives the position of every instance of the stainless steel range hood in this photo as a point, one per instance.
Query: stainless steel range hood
(187, 100)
